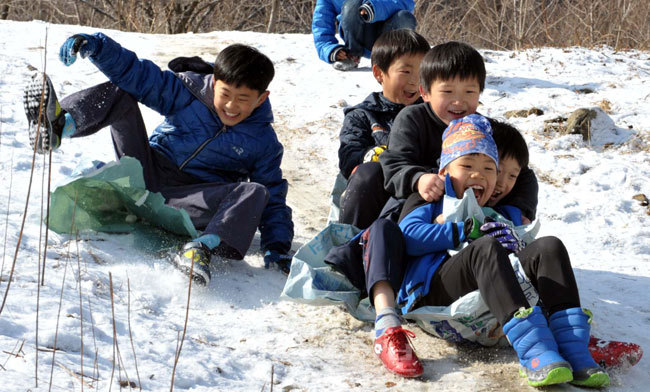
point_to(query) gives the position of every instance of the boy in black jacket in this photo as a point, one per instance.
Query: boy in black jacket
(452, 77)
(395, 58)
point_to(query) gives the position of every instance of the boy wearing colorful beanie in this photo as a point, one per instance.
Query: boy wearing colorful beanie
(551, 346)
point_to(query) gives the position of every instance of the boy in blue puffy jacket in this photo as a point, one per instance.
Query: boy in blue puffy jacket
(360, 23)
(215, 155)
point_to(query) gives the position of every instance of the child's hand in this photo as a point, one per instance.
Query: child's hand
(504, 234)
(431, 187)
(440, 219)
(341, 55)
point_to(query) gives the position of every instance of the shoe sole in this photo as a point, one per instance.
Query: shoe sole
(199, 276)
(34, 91)
(558, 375)
(596, 380)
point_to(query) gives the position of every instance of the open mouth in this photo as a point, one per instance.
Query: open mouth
(478, 191)
(495, 196)
(230, 115)
(457, 113)
(410, 94)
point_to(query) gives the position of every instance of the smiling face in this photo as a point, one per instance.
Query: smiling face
(507, 174)
(476, 171)
(454, 98)
(234, 104)
(400, 82)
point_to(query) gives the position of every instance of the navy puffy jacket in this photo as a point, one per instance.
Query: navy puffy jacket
(365, 126)
(193, 137)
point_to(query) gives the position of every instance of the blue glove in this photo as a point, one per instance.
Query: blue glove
(277, 260)
(504, 234)
(84, 44)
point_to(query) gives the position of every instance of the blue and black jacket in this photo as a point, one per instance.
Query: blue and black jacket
(365, 126)
(194, 138)
(427, 243)
(327, 14)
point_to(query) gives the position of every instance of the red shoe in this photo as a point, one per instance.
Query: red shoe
(611, 353)
(394, 349)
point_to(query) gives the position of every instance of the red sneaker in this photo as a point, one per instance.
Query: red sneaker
(394, 349)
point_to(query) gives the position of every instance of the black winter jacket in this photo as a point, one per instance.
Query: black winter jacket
(365, 126)
(414, 148)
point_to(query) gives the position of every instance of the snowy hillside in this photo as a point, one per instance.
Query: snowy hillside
(240, 336)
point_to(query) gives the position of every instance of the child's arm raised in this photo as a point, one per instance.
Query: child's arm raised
(158, 89)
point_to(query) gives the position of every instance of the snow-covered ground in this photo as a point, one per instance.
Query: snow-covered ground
(240, 336)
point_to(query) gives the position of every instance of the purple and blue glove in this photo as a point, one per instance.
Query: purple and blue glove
(275, 259)
(83, 44)
(504, 234)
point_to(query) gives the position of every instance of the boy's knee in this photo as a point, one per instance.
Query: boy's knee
(387, 229)
(488, 244)
(551, 245)
(403, 19)
(350, 9)
(257, 191)
(368, 175)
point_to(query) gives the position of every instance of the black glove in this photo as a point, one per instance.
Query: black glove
(275, 259)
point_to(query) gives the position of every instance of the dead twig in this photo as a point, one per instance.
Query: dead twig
(56, 329)
(75, 375)
(128, 285)
(4, 248)
(31, 178)
(81, 313)
(187, 315)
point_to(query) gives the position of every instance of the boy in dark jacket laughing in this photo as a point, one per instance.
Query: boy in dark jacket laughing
(215, 155)
(395, 58)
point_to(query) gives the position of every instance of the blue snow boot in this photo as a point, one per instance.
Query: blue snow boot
(533, 341)
(570, 328)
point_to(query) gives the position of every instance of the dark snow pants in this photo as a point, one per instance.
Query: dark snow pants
(359, 35)
(484, 265)
(364, 197)
(377, 255)
(230, 210)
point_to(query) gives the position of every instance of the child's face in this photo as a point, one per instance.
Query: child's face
(507, 174)
(400, 82)
(234, 104)
(452, 99)
(476, 171)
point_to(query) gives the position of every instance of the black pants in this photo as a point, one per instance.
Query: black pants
(484, 265)
(364, 196)
(377, 256)
(231, 210)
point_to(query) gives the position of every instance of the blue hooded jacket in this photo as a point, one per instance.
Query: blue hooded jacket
(328, 12)
(194, 138)
(426, 247)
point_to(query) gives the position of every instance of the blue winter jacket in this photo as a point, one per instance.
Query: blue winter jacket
(328, 12)
(426, 247)
(427, 242)
(194, 138)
